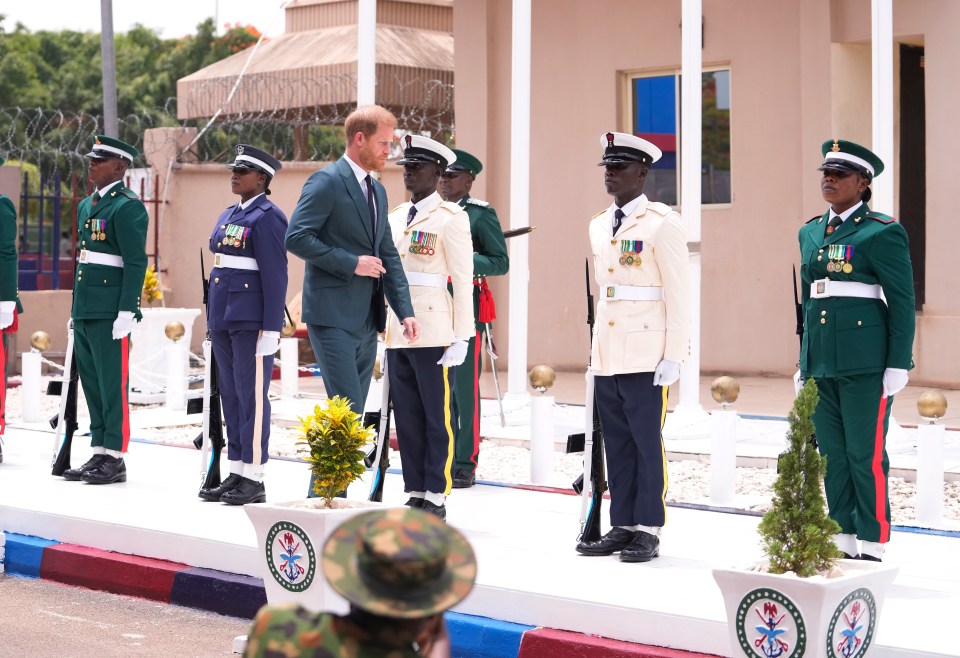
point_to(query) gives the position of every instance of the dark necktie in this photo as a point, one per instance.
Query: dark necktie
(371, 204)
(832, 225)
(618, 216)
(411, 214)
(96, 198)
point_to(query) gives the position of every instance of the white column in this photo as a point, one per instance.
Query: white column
(289, 362)
(367, 52)
(688, 414)
(930, 464)
(30, 386)
(723, 457)
(519, 196)
(882, 65)
(541, 438)
(176, 389)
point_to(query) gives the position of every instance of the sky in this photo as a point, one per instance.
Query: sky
(171, 18)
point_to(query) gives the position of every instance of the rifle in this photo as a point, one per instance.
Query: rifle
(64, 423)
(591, 442)
(210, 441)
(492, 351)
(380, 455)
(798, 308)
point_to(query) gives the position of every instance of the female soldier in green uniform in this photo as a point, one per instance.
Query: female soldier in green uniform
(857, 343)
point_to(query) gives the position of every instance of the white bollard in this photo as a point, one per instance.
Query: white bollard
(930, 474)
(176, 384)
(723, 457)
(30, 386)
(541, 439)
(289, 376)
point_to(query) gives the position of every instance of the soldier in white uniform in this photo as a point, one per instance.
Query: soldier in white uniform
(640, 339)
(433, 239)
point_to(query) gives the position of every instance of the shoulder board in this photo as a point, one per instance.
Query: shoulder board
(813, 219)
(450, 207)
(659, 208)
(130, 194)
(599, 213)
(880, 217)
(477, 202)
(396, 208)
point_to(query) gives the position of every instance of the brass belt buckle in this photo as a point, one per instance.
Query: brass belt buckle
(611, 292)
(216, 260)
(83, 255)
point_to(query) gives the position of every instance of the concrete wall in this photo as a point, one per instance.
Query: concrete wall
(800, 73)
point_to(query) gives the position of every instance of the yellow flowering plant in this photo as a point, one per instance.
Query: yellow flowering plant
(333, 440)
(151, 286)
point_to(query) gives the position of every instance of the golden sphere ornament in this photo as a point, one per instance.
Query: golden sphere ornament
(288, 329)
(542, 378)
(174, 330)
(932, 404)
(725, 390)
(40, 340)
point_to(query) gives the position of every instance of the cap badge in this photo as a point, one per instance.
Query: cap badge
(409, 140)
(239, 150)
(609, 139)
(96, 140)
(836, 146)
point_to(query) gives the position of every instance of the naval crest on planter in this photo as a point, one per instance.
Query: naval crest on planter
(852, 626)
(290, 555)
(769, 625)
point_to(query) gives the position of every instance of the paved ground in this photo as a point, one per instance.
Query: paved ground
(54, 620)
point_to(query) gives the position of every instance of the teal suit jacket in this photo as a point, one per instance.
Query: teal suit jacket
(330, 230)
(851, 335)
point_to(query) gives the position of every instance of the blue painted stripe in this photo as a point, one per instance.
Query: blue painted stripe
(218, 591)
(24, 554)
(482, 637)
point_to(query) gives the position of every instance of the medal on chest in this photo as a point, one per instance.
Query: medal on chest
(840, 256)
(98, 229)
(630, 252)
(423, 243)
(236, 235)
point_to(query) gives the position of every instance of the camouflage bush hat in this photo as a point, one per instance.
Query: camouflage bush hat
(400, 563)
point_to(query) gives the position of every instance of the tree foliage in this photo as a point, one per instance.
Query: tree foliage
(63, 69)
(797, 532)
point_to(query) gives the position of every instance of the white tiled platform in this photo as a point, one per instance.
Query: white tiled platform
(529, 572)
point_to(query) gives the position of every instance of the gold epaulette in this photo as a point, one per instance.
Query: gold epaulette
(659, 208)
(478, 202)
(450, 207)
(396, 208)
(599, 213)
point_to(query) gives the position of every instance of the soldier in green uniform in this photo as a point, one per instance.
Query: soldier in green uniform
(9, 299)
(859, 319)
(489, 259)
(399, 569)
(112, 236)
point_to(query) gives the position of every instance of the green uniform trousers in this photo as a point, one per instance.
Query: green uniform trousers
(102, 364)
(851, 423)
(466, 445)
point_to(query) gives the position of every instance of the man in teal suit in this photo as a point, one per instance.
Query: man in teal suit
(340, 229)
(9, 299)
(859, 319)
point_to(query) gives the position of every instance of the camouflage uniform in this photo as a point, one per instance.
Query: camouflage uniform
(413, 566)
(296, 631)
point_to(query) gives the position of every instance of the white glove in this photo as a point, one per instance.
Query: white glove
(667, 372)
(455, 354)
(6, 314)
(268, 343)
(894, 379)
(797, 382)
(123, 325)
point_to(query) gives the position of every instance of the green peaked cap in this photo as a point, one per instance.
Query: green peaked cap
(111, 147)
(839, 154)
(466, 162)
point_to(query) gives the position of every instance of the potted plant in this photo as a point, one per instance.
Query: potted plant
(803, 600)
(290, 535)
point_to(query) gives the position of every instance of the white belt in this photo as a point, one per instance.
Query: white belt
(235, 262)
(631, 293)
(426, 280)
(96, 258)
(823, 288)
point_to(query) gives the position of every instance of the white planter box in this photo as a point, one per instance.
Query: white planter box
(148, 369)
(784, 616)
(290, 539)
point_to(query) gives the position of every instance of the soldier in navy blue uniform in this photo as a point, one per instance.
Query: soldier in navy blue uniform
(248, 287)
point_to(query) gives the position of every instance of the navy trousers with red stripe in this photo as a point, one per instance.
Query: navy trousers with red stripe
(102, 364)
(851, 422)
(632, 411)
(422, 394)
(244, 388)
